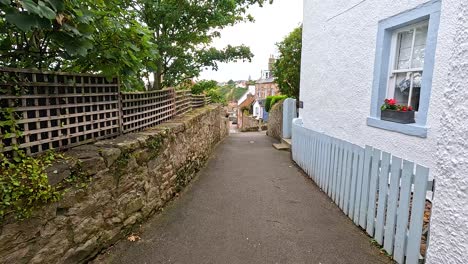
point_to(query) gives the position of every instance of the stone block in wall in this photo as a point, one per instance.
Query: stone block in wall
(275, 121)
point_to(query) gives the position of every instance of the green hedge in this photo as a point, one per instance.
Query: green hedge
(272, 100)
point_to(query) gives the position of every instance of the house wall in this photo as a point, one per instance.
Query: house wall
(339, 47)
(262, 90)
(251, 90)
(338, 73)
(449, 224)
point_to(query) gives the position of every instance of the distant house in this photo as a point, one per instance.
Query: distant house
(356, 54)
(250, 90)
(257, 110)
(241, 84)
(265, 87)
(245, 108)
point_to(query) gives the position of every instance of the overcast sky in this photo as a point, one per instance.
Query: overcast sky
(272, 24)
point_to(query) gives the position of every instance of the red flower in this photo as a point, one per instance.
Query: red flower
(404, 109)
(392, 102)
(410, 108)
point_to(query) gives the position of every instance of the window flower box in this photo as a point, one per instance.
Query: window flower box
(398, 116)
(390, 111)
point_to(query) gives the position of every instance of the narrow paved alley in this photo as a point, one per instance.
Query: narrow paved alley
(250, 204)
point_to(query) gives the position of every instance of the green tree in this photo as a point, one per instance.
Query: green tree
(209, 88)
(204, 85)
(216, 96)
(122, 46)
(77, 35)
(287, 68)
(41, 34)
(128, 38)
(184, 30)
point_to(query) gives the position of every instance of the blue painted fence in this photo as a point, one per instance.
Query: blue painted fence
(383, 194)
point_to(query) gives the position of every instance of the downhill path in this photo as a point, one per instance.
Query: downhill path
(250, 204)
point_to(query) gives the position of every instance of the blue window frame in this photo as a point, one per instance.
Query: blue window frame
(429, 12)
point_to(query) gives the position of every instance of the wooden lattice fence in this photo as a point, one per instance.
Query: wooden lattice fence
(183, 101)
(57, 110)
(146, 109)
(198, 100)
(54, 110)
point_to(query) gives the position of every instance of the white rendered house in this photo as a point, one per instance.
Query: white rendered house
(250, 90)
(257, 110)
(358, 53)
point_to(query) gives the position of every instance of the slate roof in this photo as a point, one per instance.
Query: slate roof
(269, 80)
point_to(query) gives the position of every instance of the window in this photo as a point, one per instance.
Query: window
(404, 64)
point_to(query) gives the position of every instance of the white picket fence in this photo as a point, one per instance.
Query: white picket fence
(383, 194)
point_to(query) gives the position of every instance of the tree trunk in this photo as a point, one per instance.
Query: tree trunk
(157, 85)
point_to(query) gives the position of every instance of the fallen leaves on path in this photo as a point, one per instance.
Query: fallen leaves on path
(133, 238)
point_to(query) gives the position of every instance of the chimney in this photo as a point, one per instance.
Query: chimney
(271, 62)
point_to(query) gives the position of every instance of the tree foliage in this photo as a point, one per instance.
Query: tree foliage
(232, 93)
(132, 39)
(184, 30)
(270, 101)
(94, 36)
(122, 46)
(204, 85)
(287, 68)
(209, 88)
(42, 34)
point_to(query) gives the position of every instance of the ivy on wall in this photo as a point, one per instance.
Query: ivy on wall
(24, 184)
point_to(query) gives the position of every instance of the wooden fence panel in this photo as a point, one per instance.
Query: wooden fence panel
(382, 202)
(57, 110)
(418, 204)
(370, 187)
(353, 181)
(343, 175)
(338, 174)
(403, 212)
(183, 102)
(365, 186)
(359, 184)
(373, 188)
(392, 204)
(347, 178)
(141, 110)
(332, 165)
(198, 100)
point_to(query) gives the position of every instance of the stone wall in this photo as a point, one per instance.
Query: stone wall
(275, 121)
(250, 124)
(133, 176)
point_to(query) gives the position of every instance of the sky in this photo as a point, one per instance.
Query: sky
(272, 24)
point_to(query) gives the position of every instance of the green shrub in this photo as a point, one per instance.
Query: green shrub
(216, 96)
(25, 187)
(272, 100)
(267, 103)
(24, 184)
